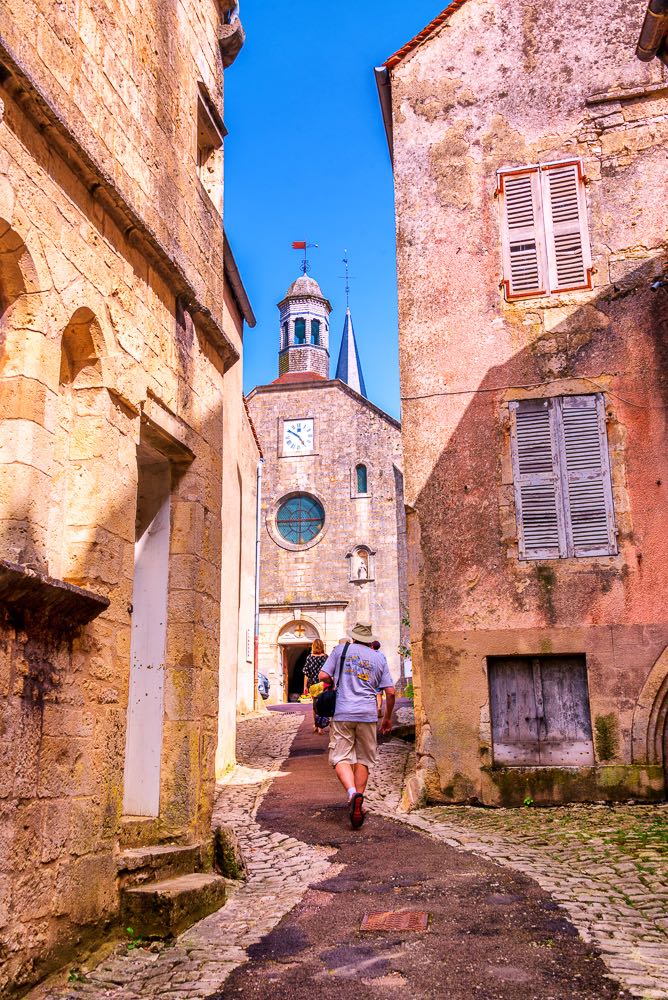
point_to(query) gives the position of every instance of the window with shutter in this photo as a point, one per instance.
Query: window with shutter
(538, 501)
(524, 259)
(565, 215)
(544, 229)
(561, 470)
(586, 471)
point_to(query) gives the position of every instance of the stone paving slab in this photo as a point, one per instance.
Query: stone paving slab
(607, 865)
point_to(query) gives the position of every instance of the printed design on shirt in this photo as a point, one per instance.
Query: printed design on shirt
(358, 667)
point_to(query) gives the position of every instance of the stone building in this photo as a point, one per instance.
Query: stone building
(531, 174)
(123, 446)
(333, 545)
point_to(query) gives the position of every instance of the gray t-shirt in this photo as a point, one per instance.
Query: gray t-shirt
(365, 674)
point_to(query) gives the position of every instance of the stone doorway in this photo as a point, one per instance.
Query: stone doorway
(294, 658)
(294, 643)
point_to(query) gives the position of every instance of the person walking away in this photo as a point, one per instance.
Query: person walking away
(312, 667)
(359, 672)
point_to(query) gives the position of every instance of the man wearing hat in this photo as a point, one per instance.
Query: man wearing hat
(359, 673)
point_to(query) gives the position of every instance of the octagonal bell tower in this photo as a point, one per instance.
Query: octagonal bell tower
(304, 318)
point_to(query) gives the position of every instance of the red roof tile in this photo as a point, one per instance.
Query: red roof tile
(298, 377)
(423, 35)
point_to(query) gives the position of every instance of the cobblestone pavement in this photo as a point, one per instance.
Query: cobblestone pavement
(280, 871)
(608, 866)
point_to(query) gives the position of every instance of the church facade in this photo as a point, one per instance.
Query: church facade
(333, 538)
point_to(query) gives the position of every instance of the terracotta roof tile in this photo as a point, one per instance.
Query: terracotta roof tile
(298, 377)
(423, 35)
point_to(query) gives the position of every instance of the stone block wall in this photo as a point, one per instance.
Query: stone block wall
(466, 103)
(98, 358)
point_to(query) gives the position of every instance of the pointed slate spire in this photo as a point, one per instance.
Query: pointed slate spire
(349, 369)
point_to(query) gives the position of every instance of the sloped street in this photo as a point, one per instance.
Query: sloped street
(519, 901)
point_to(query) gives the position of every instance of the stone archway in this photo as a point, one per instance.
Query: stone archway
(294, 642)
(650, 717)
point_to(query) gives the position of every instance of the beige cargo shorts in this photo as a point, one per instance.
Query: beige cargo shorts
(353, 742)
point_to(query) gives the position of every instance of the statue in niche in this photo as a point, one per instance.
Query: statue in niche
(362, 565)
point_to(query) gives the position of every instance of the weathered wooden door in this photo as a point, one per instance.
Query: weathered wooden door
(143, 747)
(540, 711)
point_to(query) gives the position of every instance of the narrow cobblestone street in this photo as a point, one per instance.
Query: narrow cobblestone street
(493, 881)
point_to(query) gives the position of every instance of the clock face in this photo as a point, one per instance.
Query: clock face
(298, 437)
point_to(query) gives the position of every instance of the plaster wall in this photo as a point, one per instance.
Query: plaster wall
(502, 85)
(348, 431)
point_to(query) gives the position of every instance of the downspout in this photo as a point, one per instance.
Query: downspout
(256, 627)
(385, 96)
(653, 39)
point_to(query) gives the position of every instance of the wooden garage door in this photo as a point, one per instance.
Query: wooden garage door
(540, 711)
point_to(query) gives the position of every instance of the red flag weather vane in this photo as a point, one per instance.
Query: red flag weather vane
(303, 245)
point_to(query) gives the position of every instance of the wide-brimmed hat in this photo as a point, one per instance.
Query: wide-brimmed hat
(363, 633)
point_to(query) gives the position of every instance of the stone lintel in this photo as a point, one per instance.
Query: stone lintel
(304, 604)
(51, 123)
(62, 604)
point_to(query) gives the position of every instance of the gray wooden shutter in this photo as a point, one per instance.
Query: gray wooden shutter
(537, 479)
(522, 243)
(590, 519)
(565, 219)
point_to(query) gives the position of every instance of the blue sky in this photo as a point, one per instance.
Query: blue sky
(306, 157)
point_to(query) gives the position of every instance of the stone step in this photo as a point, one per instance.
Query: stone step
(165, 909)
(137, 865)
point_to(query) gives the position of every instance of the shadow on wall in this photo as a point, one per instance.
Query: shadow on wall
(616, 344)
(69, 511)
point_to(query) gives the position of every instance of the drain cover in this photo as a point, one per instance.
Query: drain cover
(397, 920)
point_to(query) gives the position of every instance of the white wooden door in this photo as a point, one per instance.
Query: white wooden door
(143, 746)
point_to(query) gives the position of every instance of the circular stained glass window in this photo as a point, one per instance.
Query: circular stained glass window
(300, 519)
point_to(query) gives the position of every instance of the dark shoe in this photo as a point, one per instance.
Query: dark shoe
(357, 815)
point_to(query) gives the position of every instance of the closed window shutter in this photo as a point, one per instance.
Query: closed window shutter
(566, 236)
(522, 245)
(536, 468)
(590, 521)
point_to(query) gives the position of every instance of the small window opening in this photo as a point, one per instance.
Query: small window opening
(361, 479)
(210, 135)
(300, 331)
(285, 335)
(315, 331)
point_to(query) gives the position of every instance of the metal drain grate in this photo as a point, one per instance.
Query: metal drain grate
(397, 920)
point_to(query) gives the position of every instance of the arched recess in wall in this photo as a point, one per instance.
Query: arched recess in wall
(650, 717)
(24, 442)
(81, 454)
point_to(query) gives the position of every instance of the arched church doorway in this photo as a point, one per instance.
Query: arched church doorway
(295, 640)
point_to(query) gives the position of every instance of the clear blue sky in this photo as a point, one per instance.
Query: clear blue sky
(306, 157)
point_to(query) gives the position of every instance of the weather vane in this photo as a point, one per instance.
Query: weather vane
(348, 278)
(303, 245)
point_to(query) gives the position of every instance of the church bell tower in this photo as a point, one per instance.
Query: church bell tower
(304, 318)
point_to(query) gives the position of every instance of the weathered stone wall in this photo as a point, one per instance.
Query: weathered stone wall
(241, 454)
(348, 430)
(511, 84)
(97, 357)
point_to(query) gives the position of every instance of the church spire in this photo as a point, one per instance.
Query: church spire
(349, 369)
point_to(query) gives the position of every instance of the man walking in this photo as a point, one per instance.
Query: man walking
(359, 672)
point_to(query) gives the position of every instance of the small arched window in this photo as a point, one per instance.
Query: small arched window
(360, 472)
(300, 331)
(315, 331)
(285, 335)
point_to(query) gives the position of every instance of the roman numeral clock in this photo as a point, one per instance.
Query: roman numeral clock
(298, 437)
